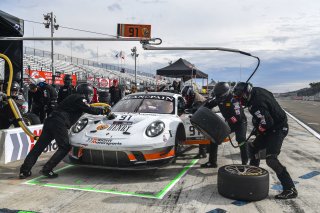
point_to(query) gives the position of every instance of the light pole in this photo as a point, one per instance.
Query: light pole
(192, 67)
(51, 23)
(134, 53)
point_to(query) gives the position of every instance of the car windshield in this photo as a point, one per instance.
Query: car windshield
(146, 104)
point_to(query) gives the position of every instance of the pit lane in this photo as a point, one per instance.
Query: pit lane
(118, 182)
(195, 191)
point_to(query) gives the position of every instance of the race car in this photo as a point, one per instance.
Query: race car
(149, 130)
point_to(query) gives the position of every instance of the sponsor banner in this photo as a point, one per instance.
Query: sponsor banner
(48, 77)
(90, 79)
(17, 144)
(104, 83)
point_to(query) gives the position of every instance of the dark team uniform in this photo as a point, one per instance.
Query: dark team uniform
(36, 103)
(115, 94)
(51, 97)
(272, 127)
(65, 91)
(233, 113)
(42, 101)
(56, 127)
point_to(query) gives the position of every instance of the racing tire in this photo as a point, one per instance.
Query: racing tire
(243, 182)
(31, 119)
(210, 125)
(178, 147)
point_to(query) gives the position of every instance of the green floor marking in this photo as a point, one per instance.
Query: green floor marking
(159, 195)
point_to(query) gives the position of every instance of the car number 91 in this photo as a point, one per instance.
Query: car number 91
(193, 132)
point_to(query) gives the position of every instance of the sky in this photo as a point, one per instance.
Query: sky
(284, 34)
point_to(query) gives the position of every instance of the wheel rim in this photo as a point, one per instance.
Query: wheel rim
(244, 170)
(27, 121)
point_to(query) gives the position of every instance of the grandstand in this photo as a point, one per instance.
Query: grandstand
(39, 60)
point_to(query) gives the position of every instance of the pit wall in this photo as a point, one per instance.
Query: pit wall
(15, 144)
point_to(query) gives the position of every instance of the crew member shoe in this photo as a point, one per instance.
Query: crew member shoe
(202, 155)
(244, 162)
(288, 194)
(24, 175)
(209, 165)
(49, 174)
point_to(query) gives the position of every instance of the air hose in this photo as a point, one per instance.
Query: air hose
(13, 105)
(244, 142)
(100, 105)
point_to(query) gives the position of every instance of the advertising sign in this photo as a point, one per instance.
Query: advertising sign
(48, 77)
(17, 144)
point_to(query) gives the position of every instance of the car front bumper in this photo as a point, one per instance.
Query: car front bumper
(121, 159)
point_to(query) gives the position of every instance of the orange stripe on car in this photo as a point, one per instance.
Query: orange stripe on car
(204, 141)
(226, 139)
(131, 157)
(191, 142)
(159, 155)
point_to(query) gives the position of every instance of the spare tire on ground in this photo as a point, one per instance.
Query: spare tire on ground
(210, 125)
(242, 182)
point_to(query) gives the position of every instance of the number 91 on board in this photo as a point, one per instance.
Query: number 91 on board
(134, 30)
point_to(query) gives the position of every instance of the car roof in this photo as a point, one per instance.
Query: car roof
(157, 93)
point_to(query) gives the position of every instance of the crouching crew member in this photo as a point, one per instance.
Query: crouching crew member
(272, 127)
(233, 113)
(56, 128)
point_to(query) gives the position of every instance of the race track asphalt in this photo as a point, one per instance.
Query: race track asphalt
(306, 111)
(79, 189)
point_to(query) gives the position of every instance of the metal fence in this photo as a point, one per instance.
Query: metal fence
(79, 61)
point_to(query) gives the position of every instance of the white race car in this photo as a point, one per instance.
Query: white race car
(149, 130)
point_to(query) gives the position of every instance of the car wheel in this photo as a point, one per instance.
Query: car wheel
(210, 124)
(178, 145)
(31, 119)
(242, 182)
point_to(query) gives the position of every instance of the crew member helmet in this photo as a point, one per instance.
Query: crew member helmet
(242, 91)
(15, 88)
(41, 82)
(67, 80)
(189, 95)
(221, 90)
(86, 90)
(187, 91)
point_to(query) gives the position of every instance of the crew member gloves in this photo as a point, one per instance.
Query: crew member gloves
(233, 120)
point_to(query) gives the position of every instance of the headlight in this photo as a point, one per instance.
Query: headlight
(80, 125)
(155, 129)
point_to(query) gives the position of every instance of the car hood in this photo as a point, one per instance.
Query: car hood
(124, 125)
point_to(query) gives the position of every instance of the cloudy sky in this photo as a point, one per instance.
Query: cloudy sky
(283, 33)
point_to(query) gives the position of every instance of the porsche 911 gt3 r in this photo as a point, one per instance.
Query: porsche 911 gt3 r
(149, 130)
